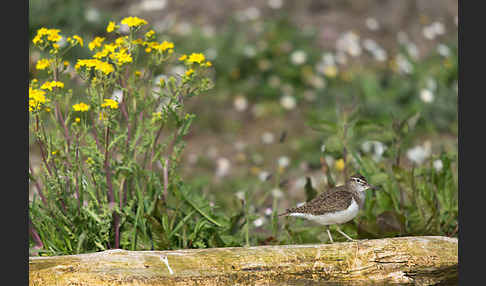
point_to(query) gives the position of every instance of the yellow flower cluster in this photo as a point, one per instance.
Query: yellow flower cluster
(51, 35)
(111, 27)
(75, 40)
(195, 58)
(115, 51)
(189, 72)
(36, 99)
(149, 34)
(42, 64)
(339, 164)
(133, 21)
(121, 57)
(156, 116)
(104, 67)
(95, 43)
(162, 47)
(51, 84)
(110, 103)
(81, 107)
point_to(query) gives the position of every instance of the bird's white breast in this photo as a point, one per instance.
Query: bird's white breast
(333, 218)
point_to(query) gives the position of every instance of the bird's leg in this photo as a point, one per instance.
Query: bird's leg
(341, 232)
(329, 233)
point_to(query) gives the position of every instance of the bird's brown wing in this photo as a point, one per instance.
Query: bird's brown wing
(326, 202)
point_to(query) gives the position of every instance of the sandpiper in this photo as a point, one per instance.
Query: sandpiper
(336, 206)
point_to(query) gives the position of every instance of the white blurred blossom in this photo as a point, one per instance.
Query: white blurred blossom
(283, 162)
(275, 4)
(249, 51)
(433, 30)
(259, 221)
(288, 102)
(443, 50)
(426, 95)
(438, 165)
(419, 153)
(223, 166)
(404, 66)
(263, 176)
(298, 57)
(268, 211)
(153, 5)
(349, 42)
(412, 50)
(92, 15)
(268, 137)
(117, 95)
(248, 14)
(240, 195)
(375, 147)
(372, 24)
(240, 103)
(277, 193)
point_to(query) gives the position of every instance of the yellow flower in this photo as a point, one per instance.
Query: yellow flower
(110, 103)
(156, 116)
(50, 84)
(36, 99)
(182, 58)
(165, 46)
(133, 21)
(51, 35)
(111, 27)
(81, 107)
(339, 164)
(77, 119)
(104, 67)
(95, 43)
(189, 72)
(149, 34)
(65, 63)
(138, 73)
(208, 64)
(89, 161)
(53, 153)
(196, 58)
(330, 71)
(75, 40)
(121, 57)
(42, 64)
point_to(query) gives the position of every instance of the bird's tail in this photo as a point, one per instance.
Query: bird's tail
(286, 213)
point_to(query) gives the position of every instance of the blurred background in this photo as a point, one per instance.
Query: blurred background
(301, 88)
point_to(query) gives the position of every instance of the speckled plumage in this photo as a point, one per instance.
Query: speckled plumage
(338, 198)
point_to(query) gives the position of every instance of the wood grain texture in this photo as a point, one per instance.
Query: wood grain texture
(407, 260)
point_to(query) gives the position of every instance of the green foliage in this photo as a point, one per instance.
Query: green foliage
(141, 201)
(109, 163)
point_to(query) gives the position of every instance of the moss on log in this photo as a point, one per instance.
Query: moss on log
(408, 260)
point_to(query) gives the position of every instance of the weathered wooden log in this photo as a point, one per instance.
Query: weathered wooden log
(408, 260)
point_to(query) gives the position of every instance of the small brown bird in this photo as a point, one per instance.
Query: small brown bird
(336, 206)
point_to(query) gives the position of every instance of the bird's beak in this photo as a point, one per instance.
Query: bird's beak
(374, 187)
